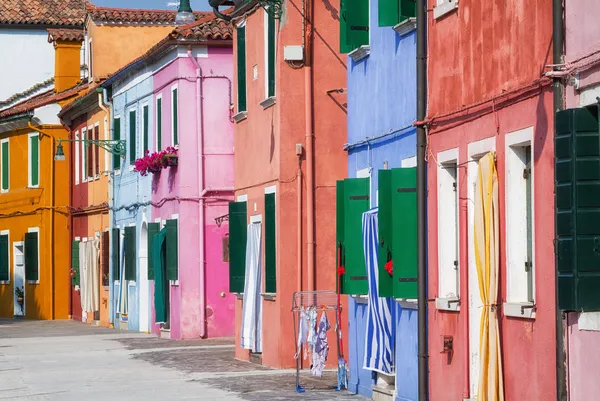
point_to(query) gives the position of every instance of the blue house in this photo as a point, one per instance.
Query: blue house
(379, 37)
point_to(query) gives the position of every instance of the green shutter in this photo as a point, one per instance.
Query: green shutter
(4, 259)
(116, 253)
(130, 254)
(271, 54)
(31, 257)
(577, 200)
(340, 247)
(158, 124)
(270, 244)
(5, 166)
(354, 24)
(175, 117)
(404, 231)
(392, 12)
(153, 229)
(116, 137)
(238, 224)
(75, 263)
(241, 69)
(132, 139)
(34, 162)
(529, 261)
(356, 202)
(171, 256)
(386, 281)
(145, 110)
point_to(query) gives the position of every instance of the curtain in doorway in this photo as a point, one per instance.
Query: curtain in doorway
(160, 277)
(487, 260)
(123, 287)
(379, 340)
(90, 290)
(252, 307)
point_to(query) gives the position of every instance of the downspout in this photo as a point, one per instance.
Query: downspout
(558, 89)
(421, 196)
(310, 162)
(200, 130)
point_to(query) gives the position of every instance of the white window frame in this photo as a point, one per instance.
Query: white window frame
(96, 173)
(143, 125)
(77, 162)
(2, 190)
(156, 133)
(122, 161)
(444, 7)
(174, 117)
(266, 50)
(106, 137)
(128, 134)
(34, 230)
(30, 159)
(89, 61)
(83, 154)
(517, 304)
(448, 246)
(7, 232)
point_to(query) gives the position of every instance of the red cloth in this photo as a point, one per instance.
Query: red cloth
(389, 267)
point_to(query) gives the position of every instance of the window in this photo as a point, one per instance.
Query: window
(84, 155)
(159, 123)
(354, 25)
(116, 137)
(171, 255)
(96, 171)
(448, 229)
(145, 129)
(270, 242)
(238, 222)
(89, 151)
(32, 258)
(174, 116)
(91, 69)
(241, 68)
(393, 12)
(270, 47)
(4, 258)
(132, 137)
(106, 153)
(130, 254)
(77, 162)
(105, 258)
(115, 238)
(5, 165)
(34, 160)
(519, 222)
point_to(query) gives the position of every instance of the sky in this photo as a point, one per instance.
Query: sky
(197, 5)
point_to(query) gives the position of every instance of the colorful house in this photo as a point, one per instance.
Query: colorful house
(490, 153)
(34, 223)
(289, 132)
(168, 274)
(381, 158)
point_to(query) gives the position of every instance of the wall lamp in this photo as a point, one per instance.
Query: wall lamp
(113, 146)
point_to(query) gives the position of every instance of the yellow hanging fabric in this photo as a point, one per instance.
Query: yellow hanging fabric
(486, 238)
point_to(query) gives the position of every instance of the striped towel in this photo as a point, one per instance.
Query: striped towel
(379, 339)
(252, 307)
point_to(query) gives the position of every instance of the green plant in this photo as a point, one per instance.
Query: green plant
(19, 292)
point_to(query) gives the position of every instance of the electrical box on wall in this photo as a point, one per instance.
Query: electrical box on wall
(293, 53)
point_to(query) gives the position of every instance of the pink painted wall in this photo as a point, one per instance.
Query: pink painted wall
(183, 182)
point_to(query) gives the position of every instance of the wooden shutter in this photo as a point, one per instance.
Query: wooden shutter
(340, 247)
(271, 54)
(132, 140)
(577, 177)
(116, 137)
(105, 258)
(31, 257)
(171, 248)
(89, 150)
(146, 139)
(356, 202)
(130, 253)
(270, 245)
(5, 166)
(241, 68)
(34, 143)
(96, 151)
(354, 22)
(392, 12)
(158, 124)
(116, 253)
(4, 259)
(386, 252)
(175, 117)
(238, 233)
(404, 236)
(153, 229)
(75, 263)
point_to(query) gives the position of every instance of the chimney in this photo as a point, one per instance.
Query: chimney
(67, 50)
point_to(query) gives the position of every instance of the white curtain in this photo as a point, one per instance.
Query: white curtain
(252, 307)
(89, 282)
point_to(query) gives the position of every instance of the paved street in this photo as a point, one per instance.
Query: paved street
(64, 360)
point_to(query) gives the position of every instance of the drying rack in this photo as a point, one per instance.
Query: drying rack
(323, 301)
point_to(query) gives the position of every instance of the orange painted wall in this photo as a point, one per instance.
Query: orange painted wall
(265, 155)
(66, 61)
(34, 208)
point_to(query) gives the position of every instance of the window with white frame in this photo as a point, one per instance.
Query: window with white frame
(145, 127)
(174, 116)
(89, 154)
(5, 156)
(77, 163)
(270, 52)
(448, 229)
(520, 264)
(132, 136)
(158, 123)
(84, 155)
(106, 136)
(34, 161)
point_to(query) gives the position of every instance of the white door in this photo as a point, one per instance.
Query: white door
(19, 276)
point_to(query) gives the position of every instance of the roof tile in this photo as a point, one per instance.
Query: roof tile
(75, 35)
(136, 16)
(42, 12)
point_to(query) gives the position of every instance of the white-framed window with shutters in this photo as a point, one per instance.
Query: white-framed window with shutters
(77, 162)
(174, 116)
(33, 164)
(520, 233)
(5, 156)
(84, 161)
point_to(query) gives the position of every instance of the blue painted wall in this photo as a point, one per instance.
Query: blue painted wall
(382, 102)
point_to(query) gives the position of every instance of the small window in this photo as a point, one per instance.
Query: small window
(5, 165)
(159, 123)
(241, 68)
(117, 137)
(448, 229)
(132, 137)
(145, 129)
(270, 48)
(174, 116)
(34, 160)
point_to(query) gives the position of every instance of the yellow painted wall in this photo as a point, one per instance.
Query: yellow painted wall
(133, 41)
(22, 208)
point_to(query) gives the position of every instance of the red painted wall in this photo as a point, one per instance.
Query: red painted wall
(479, 51)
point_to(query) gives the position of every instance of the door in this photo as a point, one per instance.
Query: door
(19, 276)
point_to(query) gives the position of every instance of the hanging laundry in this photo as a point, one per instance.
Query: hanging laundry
(312, 324)
(321, 349)
(252, 305)
(302, 332)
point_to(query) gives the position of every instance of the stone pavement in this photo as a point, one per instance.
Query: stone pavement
(65, 360)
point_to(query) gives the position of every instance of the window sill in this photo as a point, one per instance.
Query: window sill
(407, 303)
(360, 299)
(174, 283)
(523, 310)
(241, 116)
(448, 304)
(105, 287)
(33, 187)
(445, 8)
(360, 53)
(406, 26)
(131, 283)
(117, 172)
(5, 282)
(33, 282)
(239, 295)
(4, 191)
(268, 296)
(268, 102)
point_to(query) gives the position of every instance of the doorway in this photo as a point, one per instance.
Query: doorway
(19, 276)
(144, 297)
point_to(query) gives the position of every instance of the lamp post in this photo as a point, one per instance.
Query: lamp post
(184, 13)
(113, 146)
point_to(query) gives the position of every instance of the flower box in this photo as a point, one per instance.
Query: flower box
(155, 162)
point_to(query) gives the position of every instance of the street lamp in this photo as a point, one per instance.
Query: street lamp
(184, 13)
(113, 146)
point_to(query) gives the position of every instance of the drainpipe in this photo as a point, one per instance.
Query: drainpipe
(421, 196)
(200, 130)
(558, 89)
(310, 162)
